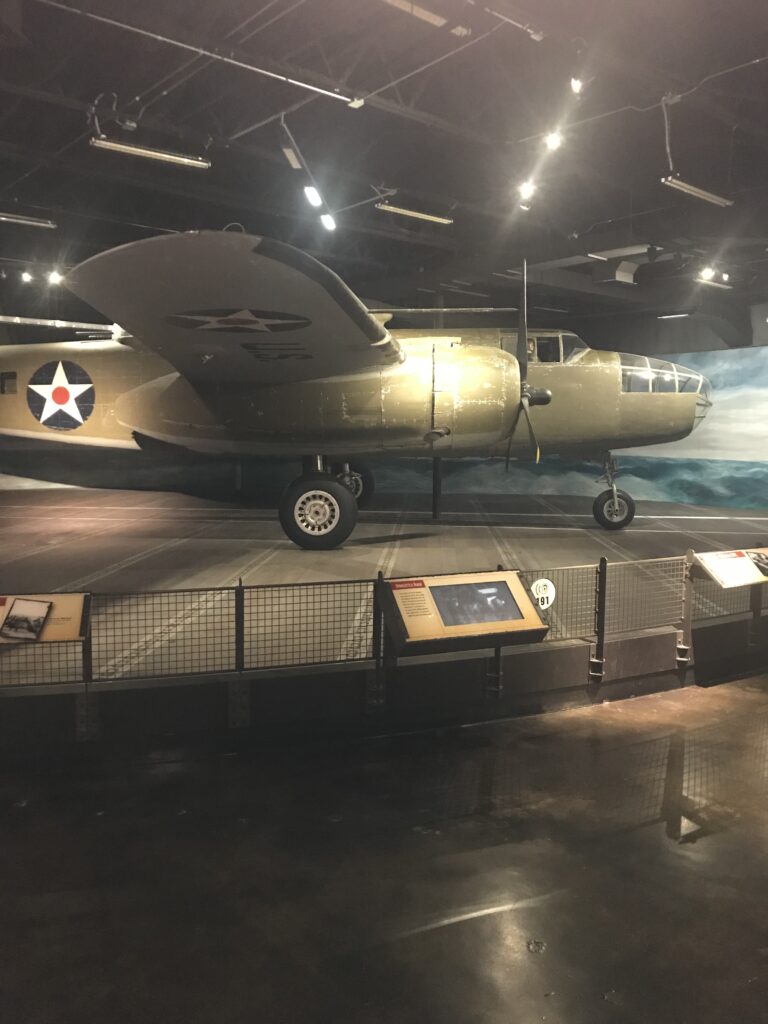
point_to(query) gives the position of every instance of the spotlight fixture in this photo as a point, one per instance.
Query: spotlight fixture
(418, 214)
(27, 222)
(26, 277)
(55, 277)
(673, 181)
(707, 273)
(726, 276)
(327, 221)
(164, 155)
(553, 140)
(526, 189)
(576, 85)
(313, 196)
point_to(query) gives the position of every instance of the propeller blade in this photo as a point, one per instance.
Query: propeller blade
(522, 328)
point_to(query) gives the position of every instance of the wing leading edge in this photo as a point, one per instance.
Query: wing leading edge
(235, 309)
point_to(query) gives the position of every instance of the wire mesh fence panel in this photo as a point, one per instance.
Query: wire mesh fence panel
(641, 595)
(40, 664)
(710, 601)
(308, 624)
(572, 613)
(166, 633)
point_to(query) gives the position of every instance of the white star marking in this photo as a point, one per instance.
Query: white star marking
(60, 395)
(241, 318)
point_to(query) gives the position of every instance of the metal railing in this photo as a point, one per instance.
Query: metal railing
(238, 629)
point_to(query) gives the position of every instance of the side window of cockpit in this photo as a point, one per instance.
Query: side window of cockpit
(548, 349)
(8, 383)
(572, 346)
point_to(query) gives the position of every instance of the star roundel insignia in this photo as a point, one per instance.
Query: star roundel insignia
(238, 321)
(61, 395)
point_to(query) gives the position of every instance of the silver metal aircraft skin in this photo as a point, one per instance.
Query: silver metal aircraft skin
(234, 344)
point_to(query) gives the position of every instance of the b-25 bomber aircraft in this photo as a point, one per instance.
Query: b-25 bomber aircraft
(239, 345)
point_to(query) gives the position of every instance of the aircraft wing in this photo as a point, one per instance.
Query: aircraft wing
(226, 308)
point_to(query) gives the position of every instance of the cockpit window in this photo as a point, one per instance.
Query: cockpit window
(572, 347)
(547, 348)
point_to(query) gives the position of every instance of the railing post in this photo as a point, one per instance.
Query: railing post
(756, 608)
(597, 661)
(239, 626)
(685, 633)
(376, 682)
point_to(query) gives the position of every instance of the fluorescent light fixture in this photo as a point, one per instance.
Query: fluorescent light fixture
(524, 206)
(553, 141)
(313, 196)
(418, 214)
(446, 286)
(290, 155)
(26, 277)
(576, 85)
(55, 277)
(692, 190)
(418, 12)
(596, 256)
(672, 316)
(707, 273)
(526, 189)
(164, 155)
(328, 222)
(27, 222)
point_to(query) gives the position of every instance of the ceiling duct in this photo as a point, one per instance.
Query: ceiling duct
(619, 270)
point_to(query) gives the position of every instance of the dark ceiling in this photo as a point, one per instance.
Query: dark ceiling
(457, 94)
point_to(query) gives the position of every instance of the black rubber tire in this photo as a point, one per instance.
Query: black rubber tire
(608, 520)
(331, 493)
(367, 480)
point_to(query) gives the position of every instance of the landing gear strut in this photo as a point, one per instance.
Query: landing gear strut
(613, 509)
(318, 510)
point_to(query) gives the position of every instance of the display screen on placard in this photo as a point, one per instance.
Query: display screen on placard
(461, 604)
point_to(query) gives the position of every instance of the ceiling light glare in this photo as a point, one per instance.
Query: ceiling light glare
(576, 85)
(328, 222)
(313, 196)
(26, 277)
(526, 189)
(553, 141)
(55, 277)
(707, 273)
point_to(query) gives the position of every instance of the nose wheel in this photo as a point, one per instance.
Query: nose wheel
(613, 509)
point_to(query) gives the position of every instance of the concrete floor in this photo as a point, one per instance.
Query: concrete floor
(600, 865)
(66, 538)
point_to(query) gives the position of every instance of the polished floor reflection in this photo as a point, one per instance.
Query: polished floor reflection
(599, 865)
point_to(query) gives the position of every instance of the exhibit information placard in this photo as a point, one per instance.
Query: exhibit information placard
(742, 567)
(43, 618)
(466, 610)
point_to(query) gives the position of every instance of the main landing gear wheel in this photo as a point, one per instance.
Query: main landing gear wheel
(358, 478)
(614, 511)
(318, 512)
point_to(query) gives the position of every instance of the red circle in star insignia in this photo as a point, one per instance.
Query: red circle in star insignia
(60, 396)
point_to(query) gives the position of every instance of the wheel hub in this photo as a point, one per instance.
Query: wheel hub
(316, 512)
(616, 510)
